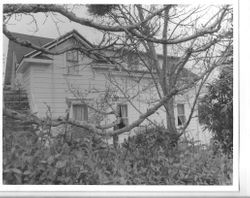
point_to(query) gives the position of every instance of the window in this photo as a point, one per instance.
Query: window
(72, 58)
(80, 112)
(202, 106)
(181, 114)
(123, 113)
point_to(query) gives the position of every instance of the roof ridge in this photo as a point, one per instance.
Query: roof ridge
(73, 31)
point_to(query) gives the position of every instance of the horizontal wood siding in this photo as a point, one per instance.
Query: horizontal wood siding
(51, 84)
(26, 82)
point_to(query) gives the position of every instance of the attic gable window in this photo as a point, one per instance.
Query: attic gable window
(72, 58)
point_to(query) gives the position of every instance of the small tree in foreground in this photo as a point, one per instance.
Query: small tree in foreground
(216, 109)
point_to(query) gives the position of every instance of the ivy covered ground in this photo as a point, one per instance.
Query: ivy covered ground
(77, 157)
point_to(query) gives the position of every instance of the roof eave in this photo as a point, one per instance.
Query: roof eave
(25, 63)
(59, 41)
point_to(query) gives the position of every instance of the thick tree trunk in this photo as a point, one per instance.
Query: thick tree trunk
(115, 141)
(170, 116)
(166, 78)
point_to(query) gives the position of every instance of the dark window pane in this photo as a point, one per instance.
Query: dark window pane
(181, 120)
(180, 109)
(80, 112)
(72, 56)
(123, 112)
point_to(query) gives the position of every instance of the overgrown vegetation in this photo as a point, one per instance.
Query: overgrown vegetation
(78, 157)
(216, 110)
(45, 155)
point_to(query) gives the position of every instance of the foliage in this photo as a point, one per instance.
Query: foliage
(100, 9)
(146, 158)
(216, 110)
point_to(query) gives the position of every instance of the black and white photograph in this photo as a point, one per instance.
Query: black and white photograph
(119, 95)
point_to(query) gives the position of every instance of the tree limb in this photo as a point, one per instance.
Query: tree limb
(215, 27)
(35, 8)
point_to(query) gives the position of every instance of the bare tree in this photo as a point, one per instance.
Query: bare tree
(167, 40)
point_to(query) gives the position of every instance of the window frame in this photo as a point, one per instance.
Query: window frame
(71, 52)
(119, 110)
(85, 111)
(181, 117)
(72, 64)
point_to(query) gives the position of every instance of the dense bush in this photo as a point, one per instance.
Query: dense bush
(147, 158)
(101, 9)
(216, 110)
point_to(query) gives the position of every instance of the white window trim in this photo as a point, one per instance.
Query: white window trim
(124, 103)
(180, 114)
(73, 102)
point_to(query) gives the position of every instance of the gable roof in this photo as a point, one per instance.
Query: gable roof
(24, 52)
(20, 51)
(59, 40)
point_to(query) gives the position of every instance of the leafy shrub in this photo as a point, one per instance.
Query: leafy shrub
(158, 162)
(147, 158)
(216, 110)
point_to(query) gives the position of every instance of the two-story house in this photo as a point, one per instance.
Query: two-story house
(64, 81)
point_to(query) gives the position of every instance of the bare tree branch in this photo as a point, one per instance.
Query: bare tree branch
(215, 27)
(35, 8)
(136, 32)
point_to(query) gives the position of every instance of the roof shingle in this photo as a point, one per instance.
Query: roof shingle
(20, 51)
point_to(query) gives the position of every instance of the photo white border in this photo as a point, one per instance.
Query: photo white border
(234, 190)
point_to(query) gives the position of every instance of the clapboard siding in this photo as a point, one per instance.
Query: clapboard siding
(26, 80)
(49, 85)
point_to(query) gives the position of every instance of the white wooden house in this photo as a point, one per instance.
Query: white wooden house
(53, 81)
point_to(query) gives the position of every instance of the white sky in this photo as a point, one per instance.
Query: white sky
(46, 27)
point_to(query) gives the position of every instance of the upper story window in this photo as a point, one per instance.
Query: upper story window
(72, 62)
(72, 56)
(181, 118)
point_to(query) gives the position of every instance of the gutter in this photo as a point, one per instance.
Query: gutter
(26, 62)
